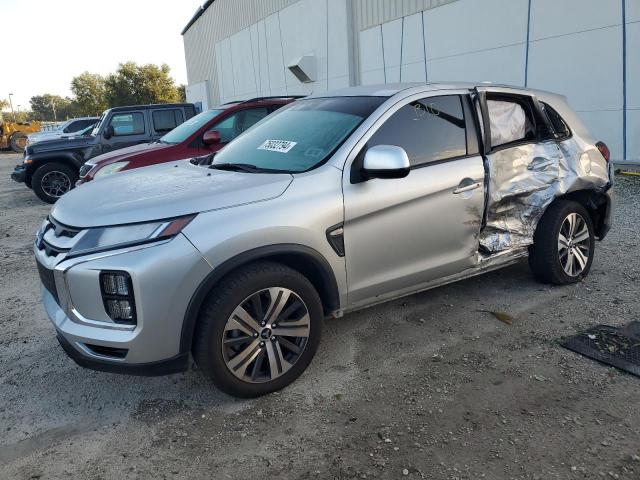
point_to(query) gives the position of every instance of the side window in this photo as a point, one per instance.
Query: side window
(166, 120)
(511, 122)
(127, 124)
(429, 130)
(559, 125)
(238, 122)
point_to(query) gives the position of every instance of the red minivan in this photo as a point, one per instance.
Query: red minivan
(205, 133)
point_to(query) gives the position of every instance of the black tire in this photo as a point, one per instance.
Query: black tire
(18, 142)
(218, 308)
(545, 257)
(51, 180)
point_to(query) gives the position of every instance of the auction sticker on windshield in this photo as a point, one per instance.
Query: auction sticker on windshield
(282, 146)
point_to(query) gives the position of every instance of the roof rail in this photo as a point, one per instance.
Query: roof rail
(257, 99)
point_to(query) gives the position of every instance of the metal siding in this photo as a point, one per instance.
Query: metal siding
(221, 20)
(368, 13)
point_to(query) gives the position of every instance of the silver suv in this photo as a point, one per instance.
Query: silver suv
(334, 203)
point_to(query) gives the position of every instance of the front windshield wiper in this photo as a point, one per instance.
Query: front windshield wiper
(238, 167)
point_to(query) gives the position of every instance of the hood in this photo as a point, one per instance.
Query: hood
(62, 144)
(127, 153)
(164, 191)
(40, 136)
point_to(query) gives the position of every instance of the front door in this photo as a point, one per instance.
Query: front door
(400, 233)
(129, 128)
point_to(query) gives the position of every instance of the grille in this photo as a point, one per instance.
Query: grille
(59, 230)
(107, 351)
(48, 280)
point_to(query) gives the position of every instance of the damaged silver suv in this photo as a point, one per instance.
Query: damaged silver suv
(334, 203)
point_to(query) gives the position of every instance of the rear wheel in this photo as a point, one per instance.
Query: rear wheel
(18, 142)
(564, 244)
(258, 330)
(52, 180)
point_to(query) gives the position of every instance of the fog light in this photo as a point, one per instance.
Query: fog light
(117, 296)
(119, 310)
(115, 284)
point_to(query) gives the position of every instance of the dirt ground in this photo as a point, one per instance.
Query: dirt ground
(430, 386)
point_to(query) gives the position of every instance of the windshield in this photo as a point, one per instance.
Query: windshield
(84, 131)
(96, 127)
(188, 128)
(300, 136)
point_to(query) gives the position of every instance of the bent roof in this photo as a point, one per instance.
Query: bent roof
(196, 16)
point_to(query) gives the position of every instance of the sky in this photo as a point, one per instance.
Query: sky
(56, 40)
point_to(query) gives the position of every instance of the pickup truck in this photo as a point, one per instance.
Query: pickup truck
(51, 168)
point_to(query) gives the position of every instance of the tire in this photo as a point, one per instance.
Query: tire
(219, 348)
(565, 259)
(52, 180)
(18, 142)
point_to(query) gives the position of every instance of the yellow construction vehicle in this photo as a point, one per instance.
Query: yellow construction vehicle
(14, 135)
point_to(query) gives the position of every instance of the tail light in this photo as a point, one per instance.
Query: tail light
(604, 150)
(117, 295)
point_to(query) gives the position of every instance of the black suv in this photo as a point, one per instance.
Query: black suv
(51, 167)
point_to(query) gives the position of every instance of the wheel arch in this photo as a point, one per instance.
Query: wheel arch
(304, 259)
(66, 158)
(597, 205)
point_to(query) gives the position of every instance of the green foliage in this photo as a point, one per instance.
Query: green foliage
(3, 104)
(134, 84)
(130, 84)
(90, 91)
(42, 107)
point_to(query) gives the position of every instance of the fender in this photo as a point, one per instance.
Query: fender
(72, 158)
(324, 282)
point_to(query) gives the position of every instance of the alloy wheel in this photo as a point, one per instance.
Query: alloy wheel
(55, 183)
(574, 244)
(266, 335)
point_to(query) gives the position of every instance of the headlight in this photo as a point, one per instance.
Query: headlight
(109, 169)
(110, 238)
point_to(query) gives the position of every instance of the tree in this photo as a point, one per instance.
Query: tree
(90, 94)
(43, 106)
(3, 104)
(134, 84)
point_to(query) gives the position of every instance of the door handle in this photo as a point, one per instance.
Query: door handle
(467, 188)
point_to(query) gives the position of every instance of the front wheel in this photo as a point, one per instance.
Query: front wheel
(18, 142)
(564, 244)
(258, 330)
(52, 180)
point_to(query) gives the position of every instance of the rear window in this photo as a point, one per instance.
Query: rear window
(559, 125)
(510, 122)
(167, 119)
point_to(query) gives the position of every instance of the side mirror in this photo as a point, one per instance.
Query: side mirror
(211, 137)
(108, 132)
(386, 161)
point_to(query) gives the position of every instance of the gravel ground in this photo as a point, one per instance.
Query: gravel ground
(430, 386)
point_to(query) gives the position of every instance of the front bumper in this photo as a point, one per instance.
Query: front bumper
(164, 276)
(19, 174)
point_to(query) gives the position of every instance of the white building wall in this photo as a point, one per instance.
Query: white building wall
(253, 62)
(633, 79)
(574, 48)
